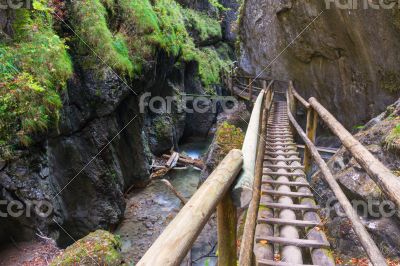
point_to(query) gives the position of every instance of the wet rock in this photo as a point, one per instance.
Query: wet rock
(337, 58)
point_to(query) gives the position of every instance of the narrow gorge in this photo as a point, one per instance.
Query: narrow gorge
(97, 97)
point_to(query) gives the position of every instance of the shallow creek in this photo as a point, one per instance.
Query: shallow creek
(149, 210)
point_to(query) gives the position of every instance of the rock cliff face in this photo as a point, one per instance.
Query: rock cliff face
(348, 59)
(103, 144)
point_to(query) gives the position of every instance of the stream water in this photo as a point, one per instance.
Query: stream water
(149, 210)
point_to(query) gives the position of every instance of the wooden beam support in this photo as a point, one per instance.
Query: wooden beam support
(311, 131)
(226, 230)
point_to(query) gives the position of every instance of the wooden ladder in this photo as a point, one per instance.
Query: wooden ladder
(288, 225)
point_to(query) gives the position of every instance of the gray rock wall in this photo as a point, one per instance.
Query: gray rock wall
(348, 59)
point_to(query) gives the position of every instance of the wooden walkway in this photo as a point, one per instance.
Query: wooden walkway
(288, 227)
(268, 178)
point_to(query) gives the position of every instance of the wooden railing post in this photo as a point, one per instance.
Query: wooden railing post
(292, 100)
(311, 131)
(226, 228)
(250, 82)
(264, 85)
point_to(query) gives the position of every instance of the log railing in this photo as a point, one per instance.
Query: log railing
(383, 177)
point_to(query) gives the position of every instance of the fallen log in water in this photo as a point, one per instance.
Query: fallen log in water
(187, 160)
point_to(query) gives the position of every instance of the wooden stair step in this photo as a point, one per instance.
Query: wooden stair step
(273, 146)
(262, 262)
(267, 172)
(281, 160)
(287, 194)
(299, 207)
(303, 243)
(279, 139)
(279, 150)
(298, 223)
(283, 153)
(292, 184)
(283, 167)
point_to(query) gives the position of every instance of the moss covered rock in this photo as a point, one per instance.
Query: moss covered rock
(99, 247)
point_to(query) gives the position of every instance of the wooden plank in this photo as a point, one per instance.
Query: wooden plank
(321, 149)
(290, 183)
(367, 242)
(287, 194)
(304, 243)
(281, 160)
(267, 172)
(290, 167)
(282, 153)
(299, 207)
(172, 160)
(173, 244)
(261, 262)
(298, 223)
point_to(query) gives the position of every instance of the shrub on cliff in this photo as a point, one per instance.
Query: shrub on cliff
(34, 68)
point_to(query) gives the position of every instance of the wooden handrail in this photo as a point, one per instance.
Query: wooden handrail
(246, 247)
(173, 244)
(243, 188)
(384, 178)
(367, 242)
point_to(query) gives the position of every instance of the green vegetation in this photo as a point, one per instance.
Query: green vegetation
(218, 5)
(390, 82)
(99, 247)
(392, 141)
(89, 22)
(123, 34)
(33, 69)
(206, 27)
(228, 137)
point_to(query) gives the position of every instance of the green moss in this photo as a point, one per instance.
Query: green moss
(89, 22)
(392, 141)
(99, 247)
(228, 137)
(34, 68)
(218, 5)
(162, 126)
(205, 26)
(390, 82)
(174, 36)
